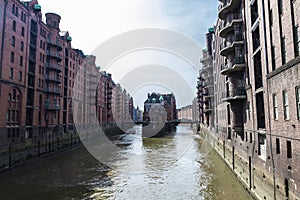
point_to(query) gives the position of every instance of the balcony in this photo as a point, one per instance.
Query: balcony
(92, 89)
(55, 44)
(32, 57)
(53, 90)
(53, 67)
(228, 24)
(55, 55)
(93, 74)
(32, 44)
(238, 93)
(227, 47)
(207, 67)
(238, 64)
(227, 6)
(53, 79)
(33, 31)
(205, 59)
(209, 96)
(52, 107)
(207, 109)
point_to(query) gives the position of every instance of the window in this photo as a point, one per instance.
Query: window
(298, 102)
(23, 32)
(41, 44)
(271, 17)
(297, 41)
(23, 17)
(273, 57)
(277, 146)
(11, 73)
(251, 137)
(283, 50)
(13, 41)
(20, 76)
(21, 61)
(288, 149)
(12, 57)
(22, 46)
(14, 26)
(285, 105)
(280, 6)
(275, 107)
(13, 111)
(7, 115)
(13, 9)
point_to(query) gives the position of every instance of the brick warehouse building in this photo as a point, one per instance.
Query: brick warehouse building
(41, 76)
(167, 101)
(256, 64)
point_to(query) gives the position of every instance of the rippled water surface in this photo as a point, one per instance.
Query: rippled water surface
(182, 166)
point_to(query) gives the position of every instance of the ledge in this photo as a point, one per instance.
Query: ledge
(284, 67)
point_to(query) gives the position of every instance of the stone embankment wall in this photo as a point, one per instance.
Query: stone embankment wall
(251, 173)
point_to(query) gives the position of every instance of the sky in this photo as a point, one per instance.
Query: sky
(93, 22)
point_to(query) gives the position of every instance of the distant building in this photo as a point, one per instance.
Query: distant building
(185, 113)
(137, 115)
(156, 101)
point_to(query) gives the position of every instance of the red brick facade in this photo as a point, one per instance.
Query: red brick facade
(46, 86)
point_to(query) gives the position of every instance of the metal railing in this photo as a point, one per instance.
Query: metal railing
(55, 55)
(53, 66)
(50, 78)
(236, 61)
(54, 43)
(224, 4)
(239, 91)
(52, 90)
(230, 18)
(52, 107)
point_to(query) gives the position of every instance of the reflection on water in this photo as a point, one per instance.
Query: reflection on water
(174, 167)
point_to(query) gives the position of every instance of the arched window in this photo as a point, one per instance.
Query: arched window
(13, 108)
(14, 26)
(13, 41)
(14, 94)
(22, 46)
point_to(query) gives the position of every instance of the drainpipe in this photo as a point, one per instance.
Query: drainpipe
(268, 99)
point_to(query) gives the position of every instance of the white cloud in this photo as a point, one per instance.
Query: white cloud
(91, 22)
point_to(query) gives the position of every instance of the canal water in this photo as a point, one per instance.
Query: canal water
(182, 166)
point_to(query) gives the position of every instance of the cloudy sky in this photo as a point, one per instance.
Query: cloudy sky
(92, 22)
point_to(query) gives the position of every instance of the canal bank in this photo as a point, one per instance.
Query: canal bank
(248, 171)
(45, 146)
